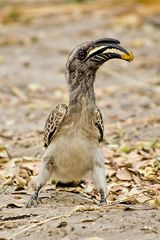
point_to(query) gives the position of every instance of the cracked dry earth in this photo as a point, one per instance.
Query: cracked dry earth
(33, 53)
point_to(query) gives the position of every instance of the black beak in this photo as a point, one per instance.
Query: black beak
(107, 48)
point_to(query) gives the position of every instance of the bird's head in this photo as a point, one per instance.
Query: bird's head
(91, 55)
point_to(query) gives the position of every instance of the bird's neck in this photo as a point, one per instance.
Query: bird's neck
(81, 88)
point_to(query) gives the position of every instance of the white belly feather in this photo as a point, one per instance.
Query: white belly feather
(74, 156)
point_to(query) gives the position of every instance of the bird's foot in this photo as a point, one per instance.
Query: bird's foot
(33, 201)
(102, 202)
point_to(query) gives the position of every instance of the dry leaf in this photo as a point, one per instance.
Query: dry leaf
(155, 202)
(20, 181)
(13, 205)
(117, 188)
(8, 182)
(123, 174)
(110, 172)
(81, 208)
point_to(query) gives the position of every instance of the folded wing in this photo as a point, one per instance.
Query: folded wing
(53, 122)
(98, 121)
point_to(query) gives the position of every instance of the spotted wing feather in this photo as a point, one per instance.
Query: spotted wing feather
(53, 122)
(98, 121)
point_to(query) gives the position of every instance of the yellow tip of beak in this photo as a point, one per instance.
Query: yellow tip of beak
(127, 57)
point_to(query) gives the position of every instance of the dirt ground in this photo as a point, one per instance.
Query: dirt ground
(35, 40)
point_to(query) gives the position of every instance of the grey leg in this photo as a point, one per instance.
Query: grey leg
(103, 199)
(44, 175)
(99, 179)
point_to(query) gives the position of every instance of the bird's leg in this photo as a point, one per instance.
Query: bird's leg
(99, 179)
(44, 175)
(103, 199)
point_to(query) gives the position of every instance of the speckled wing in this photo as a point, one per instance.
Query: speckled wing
(53, 122)
(98, 121)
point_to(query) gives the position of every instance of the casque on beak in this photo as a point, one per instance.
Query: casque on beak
(107, 48)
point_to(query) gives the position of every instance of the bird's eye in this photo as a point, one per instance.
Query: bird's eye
(81, 55)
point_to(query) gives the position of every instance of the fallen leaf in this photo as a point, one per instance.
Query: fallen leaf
(8, 182)
(13, 205)
(81, 208)
(117, 188)
(123, 174)
(125, 148)
(20, 181)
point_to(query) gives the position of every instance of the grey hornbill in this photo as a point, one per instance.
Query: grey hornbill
(73, 132)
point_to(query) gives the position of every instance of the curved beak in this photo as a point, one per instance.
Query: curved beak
(107, 48)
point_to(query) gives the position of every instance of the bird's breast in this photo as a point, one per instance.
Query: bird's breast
(80, 120)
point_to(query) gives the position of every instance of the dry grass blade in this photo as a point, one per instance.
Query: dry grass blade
(19, 94)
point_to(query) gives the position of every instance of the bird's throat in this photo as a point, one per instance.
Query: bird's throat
(81, 88)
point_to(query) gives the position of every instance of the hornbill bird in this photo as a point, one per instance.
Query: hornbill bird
(72, 133)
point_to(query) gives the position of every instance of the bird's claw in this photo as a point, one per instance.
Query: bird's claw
(102, 202)
(33, 202)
